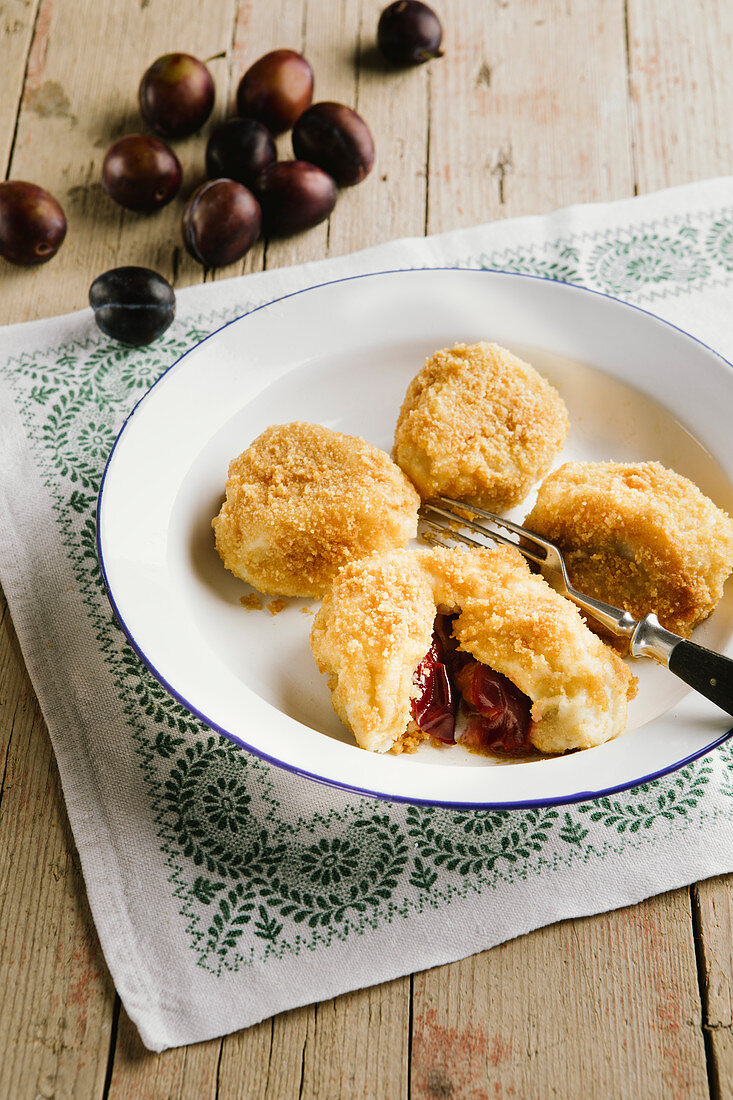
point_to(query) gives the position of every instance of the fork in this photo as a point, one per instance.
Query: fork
(709, 673)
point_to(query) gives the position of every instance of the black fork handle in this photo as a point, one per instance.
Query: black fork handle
(709, 673)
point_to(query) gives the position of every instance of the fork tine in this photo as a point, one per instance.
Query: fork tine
(515, 527)
(457, 536)
(618, 621)
(433, 538)
(495, 535)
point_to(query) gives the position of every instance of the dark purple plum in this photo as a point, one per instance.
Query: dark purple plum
(141, 172)
(409, 33)
(221, 222)
(176, 95)
(294, 195)
(239, 149)
(276, 90)
(337, 139)
(132, 304)
(32, 223)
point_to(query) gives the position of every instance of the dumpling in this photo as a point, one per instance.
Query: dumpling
(303, 500)
(480, 425)
(638, 536)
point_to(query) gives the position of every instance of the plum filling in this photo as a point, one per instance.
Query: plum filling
(498, 714)
(434, 709)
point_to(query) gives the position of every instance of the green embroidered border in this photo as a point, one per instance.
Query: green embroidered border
(248, 882)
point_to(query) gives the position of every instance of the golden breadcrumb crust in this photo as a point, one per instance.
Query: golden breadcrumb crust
(479, 424)
(376, 624)
(302, 501)
(638, 536)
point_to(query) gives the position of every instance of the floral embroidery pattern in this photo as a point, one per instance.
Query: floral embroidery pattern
(249, 881)
(643, 265)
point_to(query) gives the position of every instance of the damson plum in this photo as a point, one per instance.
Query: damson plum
(239, 149)
(176, 95)
(141, 172)
(337, 139)
(132, 304)
(276, 89)
(221, 222)
(294, 195)
(32, 223)
(409, 33)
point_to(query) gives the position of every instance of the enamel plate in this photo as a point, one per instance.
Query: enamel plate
(342, 355)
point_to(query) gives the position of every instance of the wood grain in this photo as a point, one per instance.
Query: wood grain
(187, 1073)
(610, 1000)
(681, 91)
(391, 202)
(71, 112)
(55, 993)
(17, 20)
(353, 1046)
(528, 110)
(713, 902)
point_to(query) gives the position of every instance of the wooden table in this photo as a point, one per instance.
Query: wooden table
(536, 104)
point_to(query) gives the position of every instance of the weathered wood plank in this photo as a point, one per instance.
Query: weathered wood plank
(181, 1074)
(56, 995)
(609, 1000)
(71, 112)
(17, 20)
(713, 901)
(528, 110)
(266, 1062)
(391, 201)
(681, 91)
(682, 97)
(352, 1046)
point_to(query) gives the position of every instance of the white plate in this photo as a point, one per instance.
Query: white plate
(342, 354)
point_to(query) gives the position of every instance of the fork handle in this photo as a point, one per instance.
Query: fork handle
(709, 673)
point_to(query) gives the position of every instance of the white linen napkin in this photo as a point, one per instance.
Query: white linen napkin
(224, 889)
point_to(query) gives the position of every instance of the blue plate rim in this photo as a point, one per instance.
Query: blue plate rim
(564, 800)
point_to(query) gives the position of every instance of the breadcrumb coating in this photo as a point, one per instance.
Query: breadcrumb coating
(478, 424)
(302, 501)
(638, 536)
(376, 624)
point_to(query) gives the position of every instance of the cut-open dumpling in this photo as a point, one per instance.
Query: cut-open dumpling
(407, 636)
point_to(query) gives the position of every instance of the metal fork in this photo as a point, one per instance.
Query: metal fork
(707, 672)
